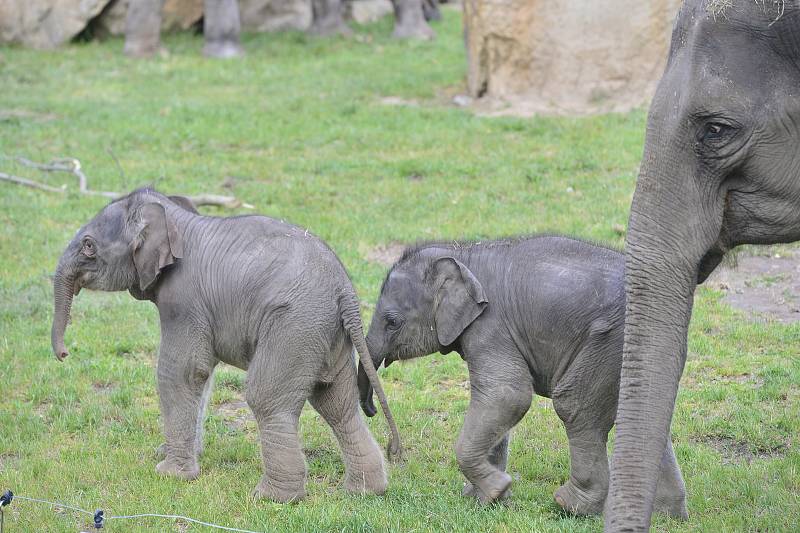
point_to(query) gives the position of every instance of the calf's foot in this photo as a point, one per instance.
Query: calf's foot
(577, 501)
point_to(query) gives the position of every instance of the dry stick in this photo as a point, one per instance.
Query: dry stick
(73, 166)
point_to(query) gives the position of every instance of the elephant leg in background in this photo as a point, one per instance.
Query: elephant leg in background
(499, 399)
(185, 367)
(280, 379)
(671, 491)
(498, 456)
(327, 18)
(221, 27)
(143, 28)
(337, 403)
(409, 20)
(430, 8)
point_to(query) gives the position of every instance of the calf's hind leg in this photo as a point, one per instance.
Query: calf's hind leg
(279, 380)
(337, 403)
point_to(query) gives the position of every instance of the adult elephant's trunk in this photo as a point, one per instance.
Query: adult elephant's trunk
(63, 289)
(674, 227)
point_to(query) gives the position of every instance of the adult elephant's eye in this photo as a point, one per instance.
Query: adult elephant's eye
(392, 322)
(714, 132)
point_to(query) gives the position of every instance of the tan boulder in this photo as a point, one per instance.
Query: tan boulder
(45, 23)
(540, 56)
(256, 15)
(176, 15)
(275, 15)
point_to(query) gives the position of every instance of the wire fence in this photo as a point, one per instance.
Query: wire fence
(99, 517)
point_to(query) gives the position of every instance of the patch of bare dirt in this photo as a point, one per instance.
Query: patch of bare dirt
(8, 461)
(236, 415)
(397, 101)
(7, 115)
(762, 285)
(385, 254)
(737, 452)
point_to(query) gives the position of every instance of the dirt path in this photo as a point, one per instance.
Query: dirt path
(764, 286)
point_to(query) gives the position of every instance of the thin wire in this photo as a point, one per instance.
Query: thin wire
(54, 504)
(172, 516)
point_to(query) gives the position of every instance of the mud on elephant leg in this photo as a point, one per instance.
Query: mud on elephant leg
(491, 414)
(337, 403)
(498, 456)
(184, 382)
(671, 491)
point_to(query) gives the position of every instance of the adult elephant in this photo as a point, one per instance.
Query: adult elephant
(221, 27)
(721, 168)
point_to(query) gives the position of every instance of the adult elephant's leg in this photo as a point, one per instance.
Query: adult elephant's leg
(279, 380)
(430, 8)
(337, 403)
(327, 18)
(221, 27)
(671, 491)
(498, 456)
(143, 28)
(409, 20)
(185, 367)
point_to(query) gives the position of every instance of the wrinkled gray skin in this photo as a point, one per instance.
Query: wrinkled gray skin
(409, 20)
(256, 293)
(430, 9)
(721, 168)
(539, 315)
(328, 18)
(221, 28)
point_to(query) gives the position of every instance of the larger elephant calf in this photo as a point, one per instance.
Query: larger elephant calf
(256, 293)
(532, 315)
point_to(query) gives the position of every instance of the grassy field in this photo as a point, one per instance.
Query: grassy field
(301, 129)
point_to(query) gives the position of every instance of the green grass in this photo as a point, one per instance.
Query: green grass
(297, 129)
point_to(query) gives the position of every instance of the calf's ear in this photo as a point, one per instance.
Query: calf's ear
(158, 245)
(184, 203)
(459, 299)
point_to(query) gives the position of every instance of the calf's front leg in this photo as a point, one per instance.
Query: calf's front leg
(496, 405)
(184, 372)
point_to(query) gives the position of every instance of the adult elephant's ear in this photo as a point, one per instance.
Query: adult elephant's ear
(184, 203)
(459, 299)
(158, 244)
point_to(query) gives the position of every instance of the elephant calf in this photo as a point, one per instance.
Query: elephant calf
(256, 293)
(531, 315)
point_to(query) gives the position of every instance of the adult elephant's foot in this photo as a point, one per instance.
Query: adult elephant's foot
(170, 467)
(469, 491)
(676, 508)
(368, 481)
(267, 490)
(579, 502)
(496, 487)
(223, 50)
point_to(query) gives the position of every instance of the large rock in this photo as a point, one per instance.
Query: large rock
(176, 15)
(45, 23)
(255, 15)
(366, 11)
(540, 56)
(275, 15)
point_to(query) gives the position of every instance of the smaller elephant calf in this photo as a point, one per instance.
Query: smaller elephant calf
(540, 315)
(257, 293)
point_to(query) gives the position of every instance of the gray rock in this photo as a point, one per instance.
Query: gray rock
(45, 23)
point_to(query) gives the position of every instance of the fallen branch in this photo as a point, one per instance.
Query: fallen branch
(73, 166)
